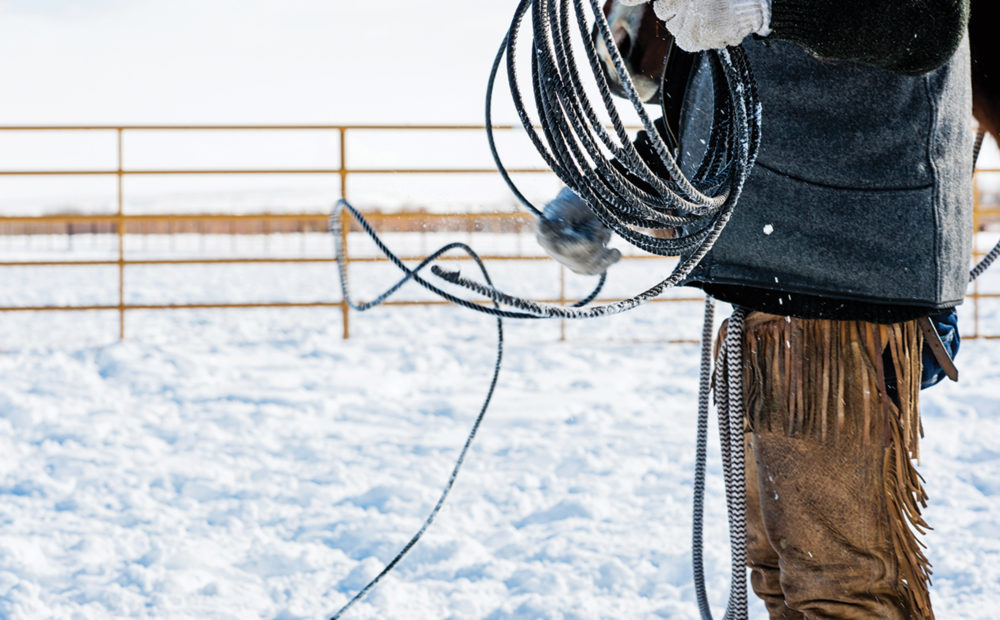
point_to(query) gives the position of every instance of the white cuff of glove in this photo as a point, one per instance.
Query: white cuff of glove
(711, 24)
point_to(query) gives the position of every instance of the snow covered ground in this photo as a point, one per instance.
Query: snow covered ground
(253, 464)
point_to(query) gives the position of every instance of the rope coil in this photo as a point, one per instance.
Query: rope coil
(627, 192)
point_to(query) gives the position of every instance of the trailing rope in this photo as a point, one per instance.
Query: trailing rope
(993, 254)
(729, 402)
(701, 452)
(413, 274)
(629, 192)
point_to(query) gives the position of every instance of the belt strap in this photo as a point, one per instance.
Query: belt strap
(933, 340)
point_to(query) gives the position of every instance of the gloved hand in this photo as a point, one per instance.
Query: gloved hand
(711, 24)
(570, 233)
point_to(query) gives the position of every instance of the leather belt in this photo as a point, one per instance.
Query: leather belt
(933, 340)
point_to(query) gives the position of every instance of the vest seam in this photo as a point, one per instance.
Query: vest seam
(932, 140)
(907, 188)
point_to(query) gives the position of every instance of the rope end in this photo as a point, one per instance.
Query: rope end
(446, 274)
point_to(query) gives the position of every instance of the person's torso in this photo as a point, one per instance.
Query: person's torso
(862, 189)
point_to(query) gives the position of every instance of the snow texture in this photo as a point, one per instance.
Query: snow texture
(253, 464)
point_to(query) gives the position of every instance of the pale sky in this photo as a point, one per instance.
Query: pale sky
(251, 61)
(255, 61)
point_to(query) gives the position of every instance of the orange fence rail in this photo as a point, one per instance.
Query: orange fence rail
(121, 224)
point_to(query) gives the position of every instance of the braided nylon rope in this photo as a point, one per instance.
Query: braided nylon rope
(620, 198)
(985, 263)
(414, 275)
(733, 461)
(729, 402)
(701, 451)
(606, 170)
(993, 254)
(627, 193)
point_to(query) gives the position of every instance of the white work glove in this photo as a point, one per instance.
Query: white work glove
(570, 233)
(711, 24)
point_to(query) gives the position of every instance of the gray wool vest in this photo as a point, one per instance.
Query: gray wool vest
(862, 191)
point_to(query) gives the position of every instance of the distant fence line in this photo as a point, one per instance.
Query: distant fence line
(121, 224)
(260, 223)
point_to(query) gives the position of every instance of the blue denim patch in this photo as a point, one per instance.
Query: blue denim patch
(946, 325)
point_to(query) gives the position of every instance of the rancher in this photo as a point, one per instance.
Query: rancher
(854, 227)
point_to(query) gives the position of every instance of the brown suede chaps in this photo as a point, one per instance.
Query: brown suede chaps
(833, 497)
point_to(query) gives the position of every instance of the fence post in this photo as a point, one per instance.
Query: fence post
(345, 222)
(121, 237)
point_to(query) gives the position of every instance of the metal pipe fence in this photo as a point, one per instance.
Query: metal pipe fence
(121, 224)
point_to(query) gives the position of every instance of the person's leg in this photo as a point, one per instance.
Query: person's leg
(836, 492)
(763, 560)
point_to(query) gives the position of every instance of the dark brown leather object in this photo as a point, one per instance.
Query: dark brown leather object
(833, 497)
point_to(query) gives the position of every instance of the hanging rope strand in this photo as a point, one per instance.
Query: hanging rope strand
(701, 452)
(734, 464)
